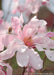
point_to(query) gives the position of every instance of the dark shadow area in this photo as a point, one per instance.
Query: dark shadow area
(0, 5)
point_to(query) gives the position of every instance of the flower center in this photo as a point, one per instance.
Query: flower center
(28, 41)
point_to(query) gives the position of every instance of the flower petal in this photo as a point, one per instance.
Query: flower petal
(9, 68)
(6, 54)
(35, 60)
(50, 34)
(41, 47)
(9, 52)
(50, 55)
(22, 59)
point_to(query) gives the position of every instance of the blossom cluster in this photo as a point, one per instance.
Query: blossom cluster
(25, 40)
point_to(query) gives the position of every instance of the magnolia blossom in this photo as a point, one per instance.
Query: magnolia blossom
(27, 38)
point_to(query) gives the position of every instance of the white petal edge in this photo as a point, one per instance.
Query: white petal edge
(50, 55)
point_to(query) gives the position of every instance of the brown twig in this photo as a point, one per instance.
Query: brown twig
(52, 27)
(50, 68)
(23, 70)
(44, 60)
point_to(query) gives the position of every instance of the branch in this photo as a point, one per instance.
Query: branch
(23, 70)
(52, 27)
(44, 60)
(50, 68)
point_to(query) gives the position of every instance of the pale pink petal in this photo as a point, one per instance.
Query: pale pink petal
(40, 47)
(1, 44)
(50, 55)
(7, 39)
(42, 30)
(9, 52)
(1, 21)
(40, 39)
(21, 19)
(28, 31)
(50, 34)
(35, 61)
(1, 13)
(34, 27)
(16, 25)
(22, 59)
(4, 28)
(1, 72)
(9, 68)
(15, 45)
(15, 22)
(6, 54)
(22, 48)
(50, 44)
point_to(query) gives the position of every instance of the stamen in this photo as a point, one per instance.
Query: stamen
(28, 41)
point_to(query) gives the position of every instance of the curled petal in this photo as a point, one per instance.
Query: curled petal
(9, 68)
(5, 40)
(9, 52)
(14, 46)
(1, 72)
(6, 54)
(50, 34)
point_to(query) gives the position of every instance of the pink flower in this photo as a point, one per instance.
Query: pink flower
(27, 38)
